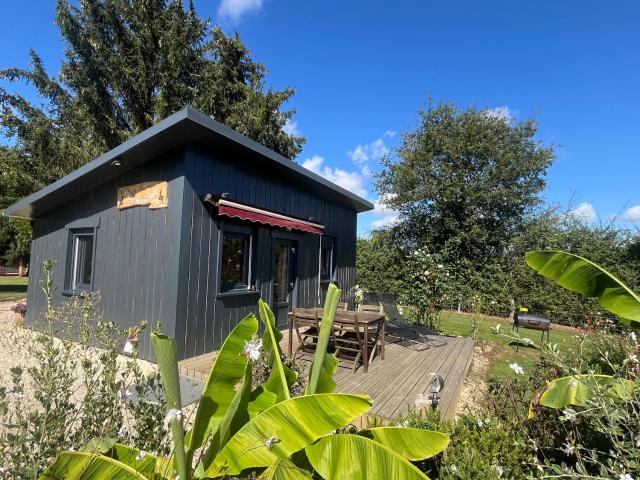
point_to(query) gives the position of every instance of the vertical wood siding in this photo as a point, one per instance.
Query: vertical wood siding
(208, 316)
(136, 250)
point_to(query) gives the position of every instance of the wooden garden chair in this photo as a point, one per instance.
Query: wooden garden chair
(306, 323)
(348, 337)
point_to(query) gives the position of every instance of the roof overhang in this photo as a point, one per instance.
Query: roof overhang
(183, 127)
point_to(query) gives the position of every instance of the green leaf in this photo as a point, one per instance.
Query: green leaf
(410, 443)
(88, 466)
(321, 379)
(588, 279)
(144, 463)
(290, 426)
(577, 390)
(336, 457)
(285, 469)
(165, 349)
(219, 390)
(281, 376)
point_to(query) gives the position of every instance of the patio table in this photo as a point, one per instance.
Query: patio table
(365, 318)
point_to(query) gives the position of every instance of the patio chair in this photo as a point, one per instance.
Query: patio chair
(348, 337)
(306, 324)
(418, 337)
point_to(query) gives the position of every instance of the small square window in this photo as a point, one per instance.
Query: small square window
(81, 260)
(235, 264)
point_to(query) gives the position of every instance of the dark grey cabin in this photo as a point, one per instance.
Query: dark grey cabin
(234, 222)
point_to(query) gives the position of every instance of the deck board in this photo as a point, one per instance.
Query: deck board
(393, 383)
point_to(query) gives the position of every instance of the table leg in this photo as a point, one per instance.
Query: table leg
(365, 349)
(290, 337)
(382, 342)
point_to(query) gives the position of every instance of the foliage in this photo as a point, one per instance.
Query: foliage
(428, 287)
(580, 275)
(73, 391)
(380, 263)
(127, 65)
(240, 430)
(465, 180)
(480, 447)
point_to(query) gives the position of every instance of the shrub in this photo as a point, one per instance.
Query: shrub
(480, 447)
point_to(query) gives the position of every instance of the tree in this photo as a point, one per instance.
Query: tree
(129, 64)
(465, 181)
(380, 265)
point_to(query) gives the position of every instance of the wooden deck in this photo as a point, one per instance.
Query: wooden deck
(393, 383)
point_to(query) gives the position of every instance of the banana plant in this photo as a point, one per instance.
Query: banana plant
(590, 280)
(238, 428)
(582, 276)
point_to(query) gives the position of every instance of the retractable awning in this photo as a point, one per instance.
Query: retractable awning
(249, 213)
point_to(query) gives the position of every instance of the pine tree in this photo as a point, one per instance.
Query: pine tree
(129, 64)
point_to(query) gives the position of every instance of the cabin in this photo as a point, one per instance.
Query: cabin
(188, 224)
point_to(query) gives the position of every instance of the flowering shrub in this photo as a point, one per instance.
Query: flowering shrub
(19, 307)
(428, 290)
(73, 392)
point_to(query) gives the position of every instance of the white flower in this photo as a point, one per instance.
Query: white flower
(270, 442)
(633, 358)
(141, 455)
(173, 415)
(568, 448)
(516, 368)
(498, 469)
(123, 431)
(18, 395)
(637, 439)
(625, 476)
(633, 337)
(128, 348)
(252, 349)
(569, 414)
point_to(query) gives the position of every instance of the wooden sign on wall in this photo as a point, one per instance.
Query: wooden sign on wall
(153, 194)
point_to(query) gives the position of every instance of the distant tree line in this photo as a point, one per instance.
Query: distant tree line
(128, 64)
(467, 186)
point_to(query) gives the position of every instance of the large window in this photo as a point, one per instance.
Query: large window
(326, 260)
(81, 261)
(236, 260)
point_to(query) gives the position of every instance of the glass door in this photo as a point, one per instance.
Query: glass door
(284, 280)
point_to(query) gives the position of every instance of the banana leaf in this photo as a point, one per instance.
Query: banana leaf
(590, 280)
(410, 443)
(281, 377)
(165, 349)
(219, 391)
(235, 417)
(285, 428)
(336, 457)
(285, 469)
(324, 366)
(577, 390)
(90, 466)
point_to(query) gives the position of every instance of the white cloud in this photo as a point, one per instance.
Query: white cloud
(373, 151)
(632, 214)
(390, 134)
(585, 213)
(351, 181)
(291, 128)
(502, 112)
(233, 10)
(388, 215)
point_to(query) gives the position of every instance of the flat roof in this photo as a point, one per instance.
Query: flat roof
(185, 126)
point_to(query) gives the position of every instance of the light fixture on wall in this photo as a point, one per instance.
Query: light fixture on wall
(224, 195)
(116, 162)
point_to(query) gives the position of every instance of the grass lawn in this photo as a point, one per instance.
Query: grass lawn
(13, 288)
(456, 324)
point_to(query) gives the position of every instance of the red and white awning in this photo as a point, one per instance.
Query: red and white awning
(233, 209)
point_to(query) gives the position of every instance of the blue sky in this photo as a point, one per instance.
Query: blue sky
(361, 71)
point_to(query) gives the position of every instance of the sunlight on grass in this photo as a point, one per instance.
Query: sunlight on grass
(13, 288)
(462, 325)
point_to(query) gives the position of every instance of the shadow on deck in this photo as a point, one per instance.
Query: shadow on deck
(393, 383)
